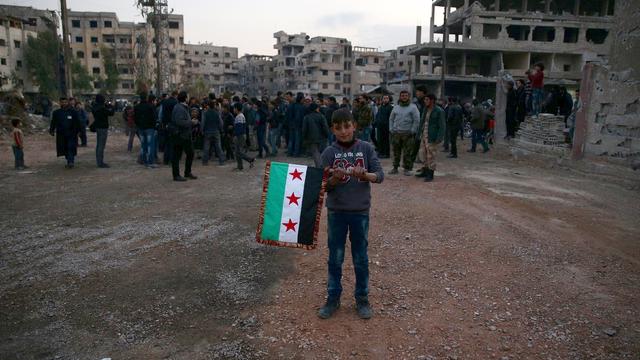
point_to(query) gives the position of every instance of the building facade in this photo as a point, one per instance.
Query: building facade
(489, 36)
(17, 24)
(93, 33)
(256, 75)
(216, 66)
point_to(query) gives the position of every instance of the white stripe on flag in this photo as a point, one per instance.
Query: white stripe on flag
(291, 212)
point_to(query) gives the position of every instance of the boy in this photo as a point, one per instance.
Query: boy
(18, 144)
(353, 165)
(239, 137)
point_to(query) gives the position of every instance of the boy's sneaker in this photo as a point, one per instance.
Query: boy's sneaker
(407, 172)
(393, 171)
(329, 308)
(364, 309)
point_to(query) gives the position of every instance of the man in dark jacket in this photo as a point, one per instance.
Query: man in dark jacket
(295, 114)
(382, 127)
(332, 106)
(421, 92)
(65, 125)
(315, 133)
(145, 119)
(181, 125)
(511, 111)
(211, 130)
(166, 111)
(454, 123)
(101, 113)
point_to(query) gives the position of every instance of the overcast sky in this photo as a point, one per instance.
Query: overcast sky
(250, 24)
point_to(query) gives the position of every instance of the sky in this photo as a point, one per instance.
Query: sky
(250, 24)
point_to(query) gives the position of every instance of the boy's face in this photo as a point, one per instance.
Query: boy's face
(343, 131)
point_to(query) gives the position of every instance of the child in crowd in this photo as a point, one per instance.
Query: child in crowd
(239, 137)
(18, 144)
(353, 165)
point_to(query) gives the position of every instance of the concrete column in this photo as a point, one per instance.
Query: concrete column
(474, 90)
(547, 6)
(430, 63)
(552, 68)
(525, 5)
(605, 8)
(576, 9)
(432, 22)
(464, 63)
(501, 106)
(496, 5)
(466, 4)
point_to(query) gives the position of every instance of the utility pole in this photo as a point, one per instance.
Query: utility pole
(66, 51)
(158, 35)
(445, 38)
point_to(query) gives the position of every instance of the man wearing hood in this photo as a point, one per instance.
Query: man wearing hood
(382, 127)
(403, 126)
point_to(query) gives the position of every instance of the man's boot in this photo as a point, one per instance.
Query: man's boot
(364, 308)
(329, 308)
(429, 175)
(422, 172)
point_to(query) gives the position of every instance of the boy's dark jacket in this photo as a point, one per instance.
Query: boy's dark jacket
(351, 195)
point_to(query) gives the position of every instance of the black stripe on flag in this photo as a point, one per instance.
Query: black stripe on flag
(312, 187)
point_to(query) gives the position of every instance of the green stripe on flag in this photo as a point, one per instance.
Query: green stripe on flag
(273, 205)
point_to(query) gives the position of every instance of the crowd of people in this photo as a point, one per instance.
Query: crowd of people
(228, 128)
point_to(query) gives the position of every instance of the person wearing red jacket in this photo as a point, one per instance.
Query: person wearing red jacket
(536, 76)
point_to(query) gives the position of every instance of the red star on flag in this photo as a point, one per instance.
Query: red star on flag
(293, 199)
(296, 174)
(290, 225)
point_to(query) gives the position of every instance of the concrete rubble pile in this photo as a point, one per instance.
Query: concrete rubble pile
(544, 129)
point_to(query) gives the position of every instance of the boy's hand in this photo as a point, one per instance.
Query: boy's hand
(359, 172)
(338, 174)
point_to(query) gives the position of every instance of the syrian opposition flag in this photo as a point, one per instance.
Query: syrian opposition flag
(292, 199)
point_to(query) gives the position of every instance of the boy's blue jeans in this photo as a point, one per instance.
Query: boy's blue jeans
(357, 226)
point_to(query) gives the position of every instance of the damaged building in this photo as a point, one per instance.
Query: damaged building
(484, 38)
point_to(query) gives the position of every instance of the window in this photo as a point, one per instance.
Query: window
(401, 63)
(172, 55)
(94, 39)
(336, 87)
(174, 25)
(125, 85)
(571, 35)
(96, 70)
(196, 52)
(544, 33)
(376, 60)
(227, 54)
(3, 42)
(216, 77)
(19, 64)
(206, 53)
(16, 44)
(97, 84)
(75, 23)
(3, 61)
(108, 24)
(227, 66)
(109, 39)
(325, 86)
(172, 41)
(80, 54)
(325, 72)
(95, 55)
(401, 51)
(93, 23)
(597, 36)
(566, 67)
(79, 39)
(215, 55)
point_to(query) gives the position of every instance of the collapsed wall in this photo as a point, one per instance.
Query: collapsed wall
(542, 134)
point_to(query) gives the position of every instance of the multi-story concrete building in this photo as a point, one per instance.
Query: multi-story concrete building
(329, 65)
(399, 65)
(490, 36)
(217, 66)
(257, 75)
(134, 46)
(17, 24)
(366, 72)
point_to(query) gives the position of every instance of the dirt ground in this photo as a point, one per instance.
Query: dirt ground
(496, 259)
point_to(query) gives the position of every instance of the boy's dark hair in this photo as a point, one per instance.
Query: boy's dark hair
(540, 65)
(182, 96)
(332, 99)
(404, 92)
(151, 98)
(237, 106)
(236, 98)
(143, 96)
(174, 93)
(421, 88)
(289, 93)
(432, 97)
(341, 116)
(15, 122)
